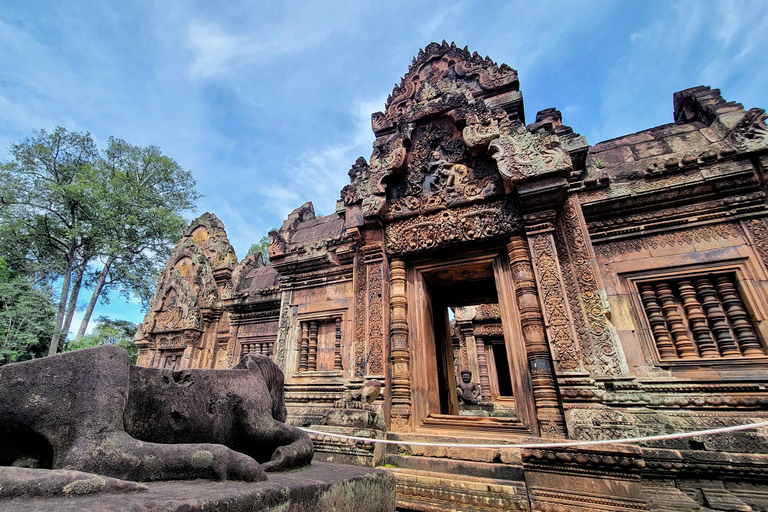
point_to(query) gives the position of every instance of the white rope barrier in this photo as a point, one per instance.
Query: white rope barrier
(564, 444)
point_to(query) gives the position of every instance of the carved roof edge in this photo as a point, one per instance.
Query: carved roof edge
(438, 50)
(208, 220)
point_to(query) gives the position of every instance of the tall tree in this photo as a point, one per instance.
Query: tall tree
(143, 193)
(105, 219)
(46, 197)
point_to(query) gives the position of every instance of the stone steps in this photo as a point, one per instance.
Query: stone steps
(456, 478)
(509, 455)
(428, 491)
(457, 467)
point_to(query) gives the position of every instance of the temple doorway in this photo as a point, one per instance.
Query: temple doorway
(463, 320)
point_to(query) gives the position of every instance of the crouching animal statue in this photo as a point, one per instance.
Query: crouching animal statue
(92, 411)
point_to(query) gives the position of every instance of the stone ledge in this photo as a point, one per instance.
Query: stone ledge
(321, 487)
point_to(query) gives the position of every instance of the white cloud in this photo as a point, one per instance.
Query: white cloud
(216, 51)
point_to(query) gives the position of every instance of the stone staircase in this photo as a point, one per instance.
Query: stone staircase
(431, 479)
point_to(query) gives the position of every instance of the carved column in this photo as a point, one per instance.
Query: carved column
(683, 343)
(658, 325)
(482, 363)
(716, 317)
(750, 346)
(697, 319)
(398, 335)
(337, 355)
(312, 357)
(544, 392)
(304, 347)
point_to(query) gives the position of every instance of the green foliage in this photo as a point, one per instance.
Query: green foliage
(260, 246)
(77, 216)
(108, 332)
(26, 317)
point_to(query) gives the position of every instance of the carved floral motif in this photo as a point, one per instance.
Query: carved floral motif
(759, 233)
(566, 351)
(376, 332)
(680, 237)
(474, 222)
(520, 154)
(751, 133)
(598, 346)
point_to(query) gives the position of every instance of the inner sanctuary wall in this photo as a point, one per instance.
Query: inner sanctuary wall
(594, 292)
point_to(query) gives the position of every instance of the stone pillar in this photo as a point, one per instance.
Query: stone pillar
(304, 348)
(337, 364)
(551, 421)
(482, 364)
(399, 350)
(312, 357)
(282, 345)
(566, 352)
(370, 316)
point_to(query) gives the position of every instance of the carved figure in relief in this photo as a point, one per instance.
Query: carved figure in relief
(467, 390)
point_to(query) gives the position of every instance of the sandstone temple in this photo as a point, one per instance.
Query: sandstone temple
(594, 292)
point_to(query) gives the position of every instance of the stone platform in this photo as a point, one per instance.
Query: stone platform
(320, 487)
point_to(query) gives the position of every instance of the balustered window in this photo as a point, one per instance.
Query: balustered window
(320, 345)
(699, 316)
(257, 347)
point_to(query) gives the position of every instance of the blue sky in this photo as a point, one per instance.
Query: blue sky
(269, 104)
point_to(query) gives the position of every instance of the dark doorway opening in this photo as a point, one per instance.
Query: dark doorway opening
(464, 298)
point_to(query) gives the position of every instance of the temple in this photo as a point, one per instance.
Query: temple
(594, 292)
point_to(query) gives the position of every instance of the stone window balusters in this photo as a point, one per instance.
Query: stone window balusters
(701, 317)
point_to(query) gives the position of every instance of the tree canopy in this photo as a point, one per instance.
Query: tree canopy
(26, 317)
(85, 218)
(260, 246)
(108, 332)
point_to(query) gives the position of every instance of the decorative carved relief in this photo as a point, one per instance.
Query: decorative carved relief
(283, 328)
(751, 133)
(520, 154)
(440, 78)
(474, 222)
(759, 232)
(598, 346)
(375, 328)
(440, 172)
(551, 289)
(680, 237)
(361, 315)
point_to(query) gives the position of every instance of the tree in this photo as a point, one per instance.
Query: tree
(26, 317)
(142, 193)
(108, 332)
(104, 219)
(260, 246)
(46, 203)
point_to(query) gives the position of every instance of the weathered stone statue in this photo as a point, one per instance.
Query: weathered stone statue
(91, 411)
(467, 390)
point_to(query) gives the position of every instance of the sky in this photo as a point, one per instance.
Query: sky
(268, 104)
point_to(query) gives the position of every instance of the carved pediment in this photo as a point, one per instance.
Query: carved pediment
(441, 78)
(174, 307)
(207, 232)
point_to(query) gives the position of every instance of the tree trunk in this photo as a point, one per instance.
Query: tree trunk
(54, 346)
(94, 298)
(72, 306)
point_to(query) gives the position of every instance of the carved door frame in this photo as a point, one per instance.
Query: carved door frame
(421, 317)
